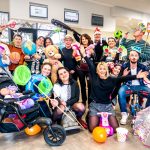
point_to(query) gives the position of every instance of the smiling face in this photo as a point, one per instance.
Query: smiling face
(97, 37)
(17, 41)
(102, 70)
(133, 56)
(63, 75)
(111, 42)
(84, 41)
(48, 42)
(137, 32)
(40, 42)
(116, 70)
(46, 70)
(68, 42)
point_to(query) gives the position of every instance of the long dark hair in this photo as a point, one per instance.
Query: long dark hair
(87, 37)
(48, 38)
(59, 81)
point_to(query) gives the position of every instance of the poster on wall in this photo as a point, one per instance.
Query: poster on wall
(71, 15)
(38, 10)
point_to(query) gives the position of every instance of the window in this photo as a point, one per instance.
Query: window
(4, 18)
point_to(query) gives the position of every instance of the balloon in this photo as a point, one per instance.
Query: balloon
(22, 75)
(99, 134)
(29, 48)
(33, 130)
(40, 85)
(45, 86)
(14, 57)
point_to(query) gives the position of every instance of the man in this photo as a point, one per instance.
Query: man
(139, 42)
(132, 68)
(66, 56)
(99, 43)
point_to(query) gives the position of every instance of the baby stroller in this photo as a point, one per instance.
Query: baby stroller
(54, 135)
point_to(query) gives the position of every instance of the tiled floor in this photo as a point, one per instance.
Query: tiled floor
(79, 141)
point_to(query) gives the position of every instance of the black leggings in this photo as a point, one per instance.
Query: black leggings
(93, 121)
(84, 77)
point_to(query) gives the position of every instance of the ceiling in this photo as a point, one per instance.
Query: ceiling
(137, 5)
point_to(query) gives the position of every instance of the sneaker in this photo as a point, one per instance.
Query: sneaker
(83, 123)
(124, 118)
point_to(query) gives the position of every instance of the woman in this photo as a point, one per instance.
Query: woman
(102, 86)
(66, 91)
(83, 70)
(48, 41)
(67, 58)
(111, 54)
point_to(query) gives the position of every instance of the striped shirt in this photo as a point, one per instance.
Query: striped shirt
(145, 48)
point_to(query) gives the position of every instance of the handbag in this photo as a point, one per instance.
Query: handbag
(83, 65)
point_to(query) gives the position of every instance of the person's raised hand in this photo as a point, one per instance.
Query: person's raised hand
(126, 72)
(142, 74)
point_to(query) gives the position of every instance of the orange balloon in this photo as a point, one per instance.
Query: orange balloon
(99, 134)
(33, 130)
(14, 57)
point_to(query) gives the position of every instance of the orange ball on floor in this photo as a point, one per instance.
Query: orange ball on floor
(99, 134)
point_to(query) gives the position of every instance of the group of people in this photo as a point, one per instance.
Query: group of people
(105, 69)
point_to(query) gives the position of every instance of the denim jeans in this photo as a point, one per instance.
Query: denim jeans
(135, 88)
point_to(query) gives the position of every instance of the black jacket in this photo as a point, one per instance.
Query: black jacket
(74, 93)
(99, 50)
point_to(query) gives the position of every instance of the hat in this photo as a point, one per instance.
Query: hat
(142, 27)
(136, 48)
(97, 31)
(68, 36)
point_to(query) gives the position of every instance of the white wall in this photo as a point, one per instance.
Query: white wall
(20, 10)
(4, 5)
(123, 12)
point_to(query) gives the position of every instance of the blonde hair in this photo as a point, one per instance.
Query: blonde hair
(105, 66)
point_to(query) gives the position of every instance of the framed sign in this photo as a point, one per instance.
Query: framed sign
(38, 10)
(71, 15)
(97, 20)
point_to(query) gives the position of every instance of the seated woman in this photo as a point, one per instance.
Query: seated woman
(66, 90)
(102, 86)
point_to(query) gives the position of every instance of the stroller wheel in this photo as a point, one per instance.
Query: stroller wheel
(54, 136)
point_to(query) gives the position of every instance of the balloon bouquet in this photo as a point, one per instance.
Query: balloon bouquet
(38, 84)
